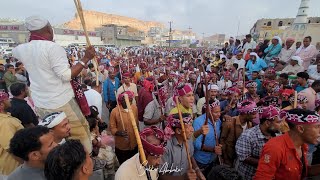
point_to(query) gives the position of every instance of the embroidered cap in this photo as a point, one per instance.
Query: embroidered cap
(53, 119)
(301, 116)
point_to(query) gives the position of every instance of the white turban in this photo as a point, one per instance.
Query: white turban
(297, 58)
(52, 120)
(278, 38)
(254, 54)
(34, 23)
(213, 86)
(221, 52)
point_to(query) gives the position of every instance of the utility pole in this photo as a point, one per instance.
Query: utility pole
(170, 31)
(203, 39)
(189, 30)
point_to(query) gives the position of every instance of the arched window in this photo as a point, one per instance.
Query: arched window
(309, 21)
(269, 23)
(280, 23)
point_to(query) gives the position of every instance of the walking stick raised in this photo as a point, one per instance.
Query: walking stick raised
(120, 112)
(136, 133)
(207, 104)
(295, 103)
(83, 23)
(186, 145)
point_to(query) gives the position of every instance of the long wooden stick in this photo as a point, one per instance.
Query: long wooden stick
(159, 100)
(184, 133)
(207, 104)
(83, 23)
(244, 79)
(119, 111)
(295, 103)
(136, 133)
(216, 137)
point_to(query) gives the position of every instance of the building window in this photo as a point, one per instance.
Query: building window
(269, 23)
(309, 21)
(289, 23)
(265, 24)
(280, 23)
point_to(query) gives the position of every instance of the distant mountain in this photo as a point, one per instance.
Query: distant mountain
(96, 19)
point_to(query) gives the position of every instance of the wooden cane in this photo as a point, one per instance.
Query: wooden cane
(244, 79)
(183, 133)
(159, 101)
(295, 103)
(83, 23)
(119, 111)
(216, 137)
(207, 105)
(137, 135)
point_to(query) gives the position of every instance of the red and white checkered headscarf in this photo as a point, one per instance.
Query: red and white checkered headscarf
(269, 112)
(151, 149)
(174, 122)
(300, 116)
(247, 107)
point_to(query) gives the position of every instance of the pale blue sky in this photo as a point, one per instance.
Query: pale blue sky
(208, 16)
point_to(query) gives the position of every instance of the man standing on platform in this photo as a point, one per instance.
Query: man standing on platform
(50, 75)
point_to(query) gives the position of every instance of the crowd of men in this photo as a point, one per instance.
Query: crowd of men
(244, 111)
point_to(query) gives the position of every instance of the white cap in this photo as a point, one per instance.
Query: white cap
(221, 52)
(34, 23)
(296, 58)
(53, 119)
(213, 86)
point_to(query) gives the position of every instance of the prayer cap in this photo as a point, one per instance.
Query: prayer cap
(34, 23)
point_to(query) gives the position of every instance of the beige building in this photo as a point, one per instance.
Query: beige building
(267, 28)
(297, 28)
(121, 36)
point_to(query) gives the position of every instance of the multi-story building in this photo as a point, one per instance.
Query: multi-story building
(297, 28)
(121, 36)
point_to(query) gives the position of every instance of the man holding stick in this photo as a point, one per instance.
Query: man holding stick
(174, 162)
(121, 128)
(206, 153)
(50, 75)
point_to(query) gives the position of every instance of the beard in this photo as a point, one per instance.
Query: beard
(273, 132)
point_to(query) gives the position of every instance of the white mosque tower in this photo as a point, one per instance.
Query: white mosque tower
(302, 16)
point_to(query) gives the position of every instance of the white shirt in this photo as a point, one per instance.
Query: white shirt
(252, 45)
(313, 72)
(49, 72)
(133, 170)
(241, 63)
(94, 99)
(306, 54)
(294, 69)
(132, 87)
(200, 105)
(286, 54)
(224, 85)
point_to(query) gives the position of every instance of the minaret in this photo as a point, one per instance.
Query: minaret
(302, 16)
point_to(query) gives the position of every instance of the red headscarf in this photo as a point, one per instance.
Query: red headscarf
(154, 150)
